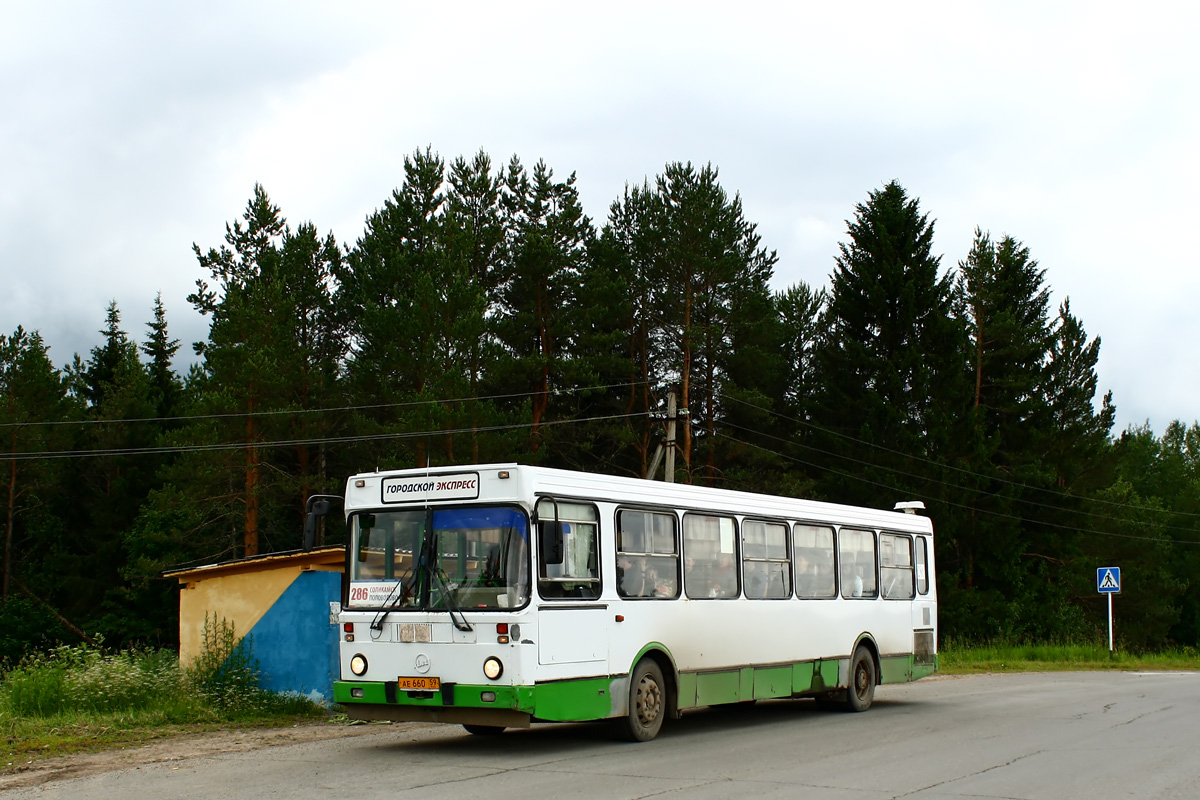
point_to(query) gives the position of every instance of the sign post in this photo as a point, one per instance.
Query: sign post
(1108, 581)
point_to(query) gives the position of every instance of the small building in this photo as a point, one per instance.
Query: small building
(286, 603)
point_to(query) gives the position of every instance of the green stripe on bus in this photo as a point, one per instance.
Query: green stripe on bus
(592, 698)
(582, 699)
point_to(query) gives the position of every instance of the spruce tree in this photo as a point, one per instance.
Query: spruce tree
(160, 348)
(892, 378)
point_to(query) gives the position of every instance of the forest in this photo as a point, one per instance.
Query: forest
(482, 316)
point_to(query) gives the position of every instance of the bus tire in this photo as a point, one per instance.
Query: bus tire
(484, 730)
(862, 680)
(648, 701)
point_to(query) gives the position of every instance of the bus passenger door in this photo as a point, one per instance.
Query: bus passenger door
(924, 607)
(571, 620)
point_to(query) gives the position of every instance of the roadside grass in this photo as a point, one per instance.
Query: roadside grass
(81, 699)
(956, 659)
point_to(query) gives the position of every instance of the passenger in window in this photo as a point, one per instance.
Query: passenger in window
(808, 580)
(756, 579)
(660, 586)
(724, 583)
(631, 578)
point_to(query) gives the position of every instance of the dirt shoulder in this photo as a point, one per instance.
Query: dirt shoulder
(175, 748)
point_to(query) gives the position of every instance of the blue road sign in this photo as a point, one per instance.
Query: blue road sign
(1108, 580)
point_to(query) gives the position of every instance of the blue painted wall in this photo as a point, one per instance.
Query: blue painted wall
(295, 643)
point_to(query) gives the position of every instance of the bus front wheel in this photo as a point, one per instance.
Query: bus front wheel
(647, 702)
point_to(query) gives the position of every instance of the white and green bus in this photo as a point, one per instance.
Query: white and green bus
(495, 596)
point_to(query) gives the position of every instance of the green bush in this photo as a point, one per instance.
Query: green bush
(82, 679)
(223, 683)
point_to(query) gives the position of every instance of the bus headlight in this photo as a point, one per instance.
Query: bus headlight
(358, 664)
(492, 668)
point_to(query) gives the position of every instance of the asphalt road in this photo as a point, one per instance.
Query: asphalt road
(1092, 736)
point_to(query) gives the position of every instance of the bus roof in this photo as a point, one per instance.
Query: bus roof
(496, 482)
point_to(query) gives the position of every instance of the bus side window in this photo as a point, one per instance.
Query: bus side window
(922, 570)
(766, 560)
(856, 550)
(647, 554)
(815, 576)
(896, 566)
(710, 556)
(570, 572)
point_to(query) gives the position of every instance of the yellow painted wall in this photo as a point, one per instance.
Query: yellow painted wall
(240, 593)
(240, 599)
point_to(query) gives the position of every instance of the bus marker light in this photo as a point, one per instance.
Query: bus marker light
(502, 639)
(348, 627)
(358, 664)
(487, 697)
(492, 668)
(502, 475)
(620, 617)
(349, 637)
(502, 628)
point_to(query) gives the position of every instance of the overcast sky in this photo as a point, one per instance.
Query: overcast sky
(131, 130)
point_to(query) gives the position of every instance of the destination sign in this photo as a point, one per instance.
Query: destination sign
(464, 486)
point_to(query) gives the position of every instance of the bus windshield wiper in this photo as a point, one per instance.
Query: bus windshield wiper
(404, 586)
(448, 596)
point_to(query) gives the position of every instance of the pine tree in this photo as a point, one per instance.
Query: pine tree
(33, 396)
(537, 300)
(1005, 302)
(418, 314)
(271, 357)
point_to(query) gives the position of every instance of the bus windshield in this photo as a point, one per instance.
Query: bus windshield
(452, 558)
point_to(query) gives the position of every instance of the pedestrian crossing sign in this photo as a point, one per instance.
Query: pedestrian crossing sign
(1108, 580)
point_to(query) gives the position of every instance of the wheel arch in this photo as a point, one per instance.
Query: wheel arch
(866, 640)
(659, 653)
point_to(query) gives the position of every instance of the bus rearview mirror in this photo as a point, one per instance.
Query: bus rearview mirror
(550, 539)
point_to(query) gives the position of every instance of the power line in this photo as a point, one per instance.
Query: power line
(300, 411)
(939, 465)
(944, 483)
(1043, 523)
(223, 446)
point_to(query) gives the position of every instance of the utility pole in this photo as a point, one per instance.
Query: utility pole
(670, 443)
(667, 445)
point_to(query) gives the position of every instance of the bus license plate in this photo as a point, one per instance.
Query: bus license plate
(419, 684)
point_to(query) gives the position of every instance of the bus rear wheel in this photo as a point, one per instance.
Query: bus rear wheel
(484, 730)
(862, 681)
(647, 705)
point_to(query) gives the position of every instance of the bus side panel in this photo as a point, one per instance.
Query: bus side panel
(586, 699)
(895, 669)
(715, 688)
(771, 682)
